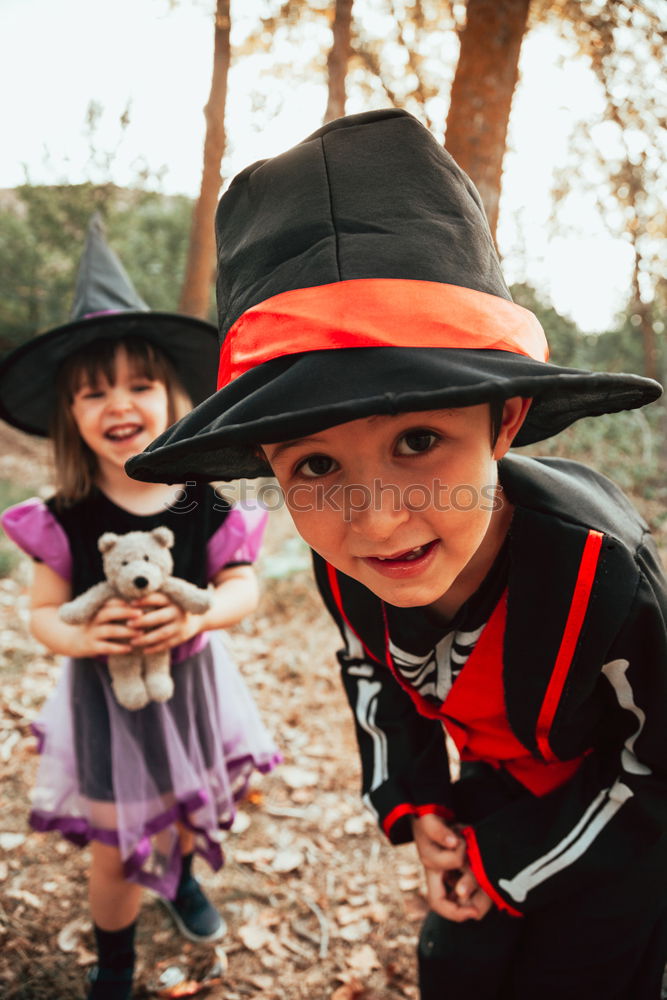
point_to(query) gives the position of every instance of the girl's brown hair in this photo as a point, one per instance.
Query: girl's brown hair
(75, 463)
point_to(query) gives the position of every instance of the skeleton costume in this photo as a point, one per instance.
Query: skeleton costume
(357, 276)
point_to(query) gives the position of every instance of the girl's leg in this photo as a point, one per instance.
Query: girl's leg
(468, 961)
(187, 839)
(114, 902)
(114, 905)
(193, 913)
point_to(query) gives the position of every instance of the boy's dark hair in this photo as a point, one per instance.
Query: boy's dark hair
(496, 407)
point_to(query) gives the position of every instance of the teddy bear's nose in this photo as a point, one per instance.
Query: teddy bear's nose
(140, 582)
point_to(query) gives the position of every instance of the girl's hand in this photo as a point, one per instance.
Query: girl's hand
(162, 624)
(110, 631)
(442, 851)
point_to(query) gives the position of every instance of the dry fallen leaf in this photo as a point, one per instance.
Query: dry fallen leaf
(24, 896)
(188, 988)
(287, 860)
(363, 960)
(261, 982)
(254, 936)
(85, 957)
(298, 777)
(10, 841)
(353, 990)
(355, 932)
(357, 825)
(68, 939)
(415, 907)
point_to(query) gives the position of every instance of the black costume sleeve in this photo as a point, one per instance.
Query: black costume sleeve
(614, 810)
(404, 765)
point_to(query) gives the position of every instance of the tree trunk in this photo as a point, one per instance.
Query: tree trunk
(486, 75)
(200, 267)
(339, 56)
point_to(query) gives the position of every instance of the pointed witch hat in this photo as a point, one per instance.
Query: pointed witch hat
(357, 276)
(106, 305)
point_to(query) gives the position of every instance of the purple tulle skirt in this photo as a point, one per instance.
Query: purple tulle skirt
(126, 778)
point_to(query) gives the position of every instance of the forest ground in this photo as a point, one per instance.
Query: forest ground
(319, 906)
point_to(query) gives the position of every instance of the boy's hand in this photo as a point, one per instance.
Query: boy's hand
(452, 889)
(163, 624)
(466, 891)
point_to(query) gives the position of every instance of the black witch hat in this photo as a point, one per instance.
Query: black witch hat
(106, 305)
(357, 276)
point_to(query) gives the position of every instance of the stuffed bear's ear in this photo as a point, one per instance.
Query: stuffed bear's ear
(163, 535)
(107, 541)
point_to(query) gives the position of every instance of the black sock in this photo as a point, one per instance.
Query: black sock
(186, 871)
(115, 949)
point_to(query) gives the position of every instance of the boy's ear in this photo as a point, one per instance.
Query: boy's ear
(515, 412)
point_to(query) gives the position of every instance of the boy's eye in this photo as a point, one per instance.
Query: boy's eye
(91, 393)
(416, 442)
(315, 466)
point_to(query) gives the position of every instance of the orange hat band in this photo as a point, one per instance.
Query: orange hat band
(378, 312)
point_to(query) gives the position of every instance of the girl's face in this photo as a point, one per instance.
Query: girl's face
(406, 505)
(119, 419)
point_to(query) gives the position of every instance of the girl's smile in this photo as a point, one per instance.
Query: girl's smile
(408, 504)
(119, 419)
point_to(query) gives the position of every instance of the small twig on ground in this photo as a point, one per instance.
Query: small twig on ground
(324, 927)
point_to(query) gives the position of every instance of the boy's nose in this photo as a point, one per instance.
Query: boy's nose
(375, 511)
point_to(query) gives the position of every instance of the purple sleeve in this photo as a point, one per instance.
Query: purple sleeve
(32, 527)
(237, 540)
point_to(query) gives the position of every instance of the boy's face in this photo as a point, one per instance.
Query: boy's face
(406, 504)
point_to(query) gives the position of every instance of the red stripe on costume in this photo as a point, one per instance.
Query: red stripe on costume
(335, 591)
(405, 809)
(434, 809)
(475, 859)
(377, 312)
(575, 620)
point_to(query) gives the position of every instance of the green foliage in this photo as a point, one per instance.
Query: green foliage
(10, 494)
(569, 346)
(623, 446)
(42, 234)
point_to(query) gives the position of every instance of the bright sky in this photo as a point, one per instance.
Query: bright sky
(56, 56)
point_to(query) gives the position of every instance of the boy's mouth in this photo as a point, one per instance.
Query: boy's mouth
(407, 556)
(404, 563)
(123, 432)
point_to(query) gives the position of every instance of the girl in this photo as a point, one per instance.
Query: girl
(146, 789)
(372, 358)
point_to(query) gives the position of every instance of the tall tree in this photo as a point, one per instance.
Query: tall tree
(200, 268)
(481, 97)
(624, 147)
(338, 59)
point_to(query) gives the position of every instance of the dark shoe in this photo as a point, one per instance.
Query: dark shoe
(110, 984)
(194, 915)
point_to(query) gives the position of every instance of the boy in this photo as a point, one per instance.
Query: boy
(372, 359)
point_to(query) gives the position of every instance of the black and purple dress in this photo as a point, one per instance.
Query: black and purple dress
(126, 777)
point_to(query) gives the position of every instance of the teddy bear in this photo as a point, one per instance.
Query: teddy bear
(136, 564)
